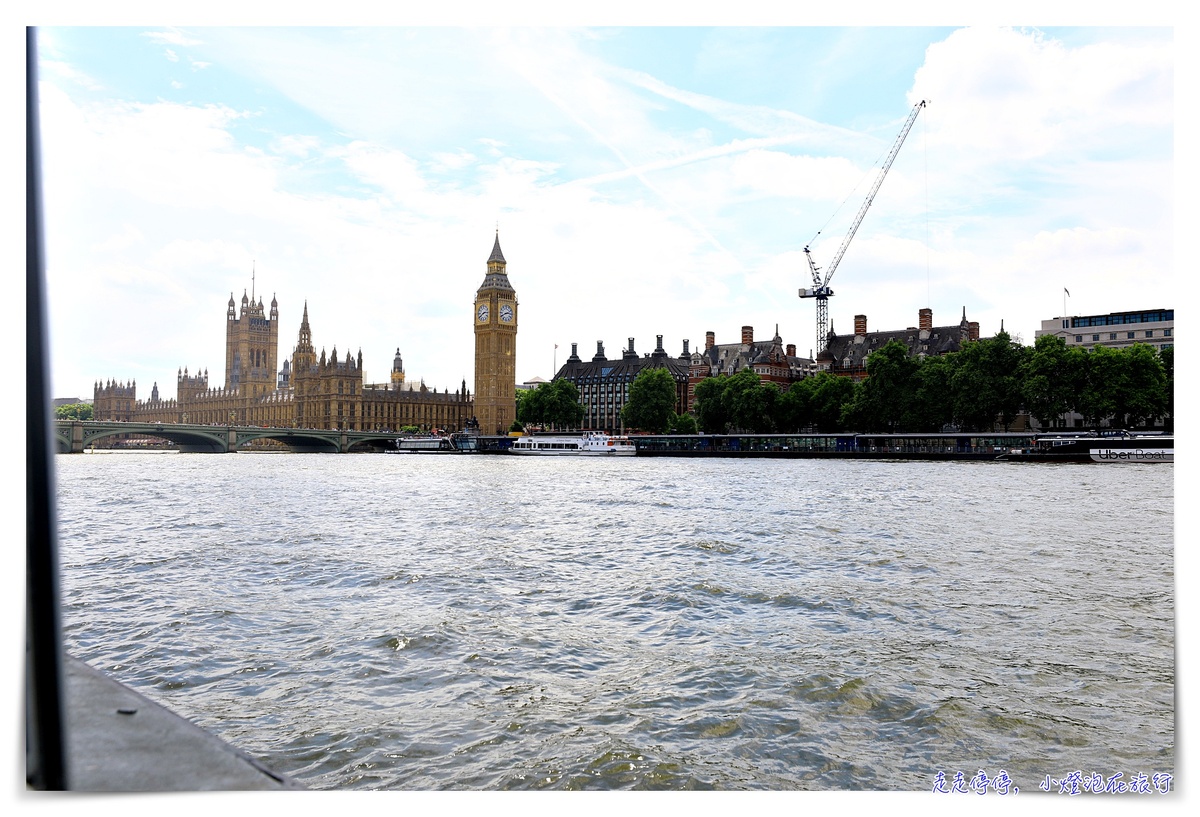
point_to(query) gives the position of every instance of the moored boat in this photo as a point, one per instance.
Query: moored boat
(1114, 446)
(424, 444)
(595, 443)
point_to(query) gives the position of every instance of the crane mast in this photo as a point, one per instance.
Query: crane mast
(820, 289)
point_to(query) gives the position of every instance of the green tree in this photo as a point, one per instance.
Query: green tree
(563, 409)
(683, 424)
(757, 408)
(1125, 387)
(932, 405)
(885, 401)
(831, 397)
(551, 404)
(1052, 375)
(1167, 355)
(651, 403)
(986, 385)
(1105, 378)
(74, 411)
(1146, 383)
(531, 405)
(793, 412)
(750, 403)
(741, 402)
(708, 405)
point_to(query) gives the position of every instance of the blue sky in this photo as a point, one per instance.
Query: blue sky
(645, 181)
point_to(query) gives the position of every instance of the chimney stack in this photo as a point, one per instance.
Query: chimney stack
(860, 324)
(686, 353)
(926, 319)
(710, 340)
(747, 335)
(973, 330)
(791, 350)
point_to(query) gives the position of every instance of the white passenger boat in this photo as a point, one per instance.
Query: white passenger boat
(595, 443)
(423, 444)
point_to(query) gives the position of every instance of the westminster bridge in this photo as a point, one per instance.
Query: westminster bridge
(75, 436)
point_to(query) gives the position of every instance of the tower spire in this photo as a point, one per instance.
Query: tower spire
(496, 257)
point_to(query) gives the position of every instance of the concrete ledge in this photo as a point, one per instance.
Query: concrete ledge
(120, 741)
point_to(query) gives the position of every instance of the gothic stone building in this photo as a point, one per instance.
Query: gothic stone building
(309, 392)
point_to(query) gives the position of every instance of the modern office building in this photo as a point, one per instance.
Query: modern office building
(1153, 327)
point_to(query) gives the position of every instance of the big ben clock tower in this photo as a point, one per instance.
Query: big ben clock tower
(495, 347)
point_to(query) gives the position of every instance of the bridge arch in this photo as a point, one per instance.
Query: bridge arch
(296, 439)
(77, 435)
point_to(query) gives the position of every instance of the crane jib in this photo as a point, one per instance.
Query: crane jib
(821, 290)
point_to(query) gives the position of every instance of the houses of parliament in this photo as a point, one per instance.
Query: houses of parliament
(328, 392)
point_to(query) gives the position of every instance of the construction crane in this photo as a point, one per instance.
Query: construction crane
(820, 288)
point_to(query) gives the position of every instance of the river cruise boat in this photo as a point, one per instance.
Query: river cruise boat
(1111, 446)
(595, 443)
(424, 444)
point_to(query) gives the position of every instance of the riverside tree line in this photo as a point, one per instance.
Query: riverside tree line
(984, 386)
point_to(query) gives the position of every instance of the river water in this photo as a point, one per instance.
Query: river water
(424, 622)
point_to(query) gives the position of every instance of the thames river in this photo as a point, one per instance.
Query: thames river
(425, 622)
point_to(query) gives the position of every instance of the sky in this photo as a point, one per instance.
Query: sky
(643, 181)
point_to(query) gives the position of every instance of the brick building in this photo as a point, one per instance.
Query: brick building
(846, 355)
(771, 359)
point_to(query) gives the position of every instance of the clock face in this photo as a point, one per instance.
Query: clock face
(482, 313)
(506, 313)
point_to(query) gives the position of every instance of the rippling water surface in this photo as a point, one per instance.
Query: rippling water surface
(489, 622)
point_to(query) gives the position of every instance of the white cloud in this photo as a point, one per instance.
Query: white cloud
(171, 36)
(129, 237)
(391, 170)
(1020, 95)
(454, 161)
(68, 72)
(783, 174)
(295, 145)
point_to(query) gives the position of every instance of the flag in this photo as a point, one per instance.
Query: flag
(1067, 291)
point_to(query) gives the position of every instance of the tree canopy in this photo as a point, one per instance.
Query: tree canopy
(73, 411)
(554, 404)
(651, 403)
(980, 387)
